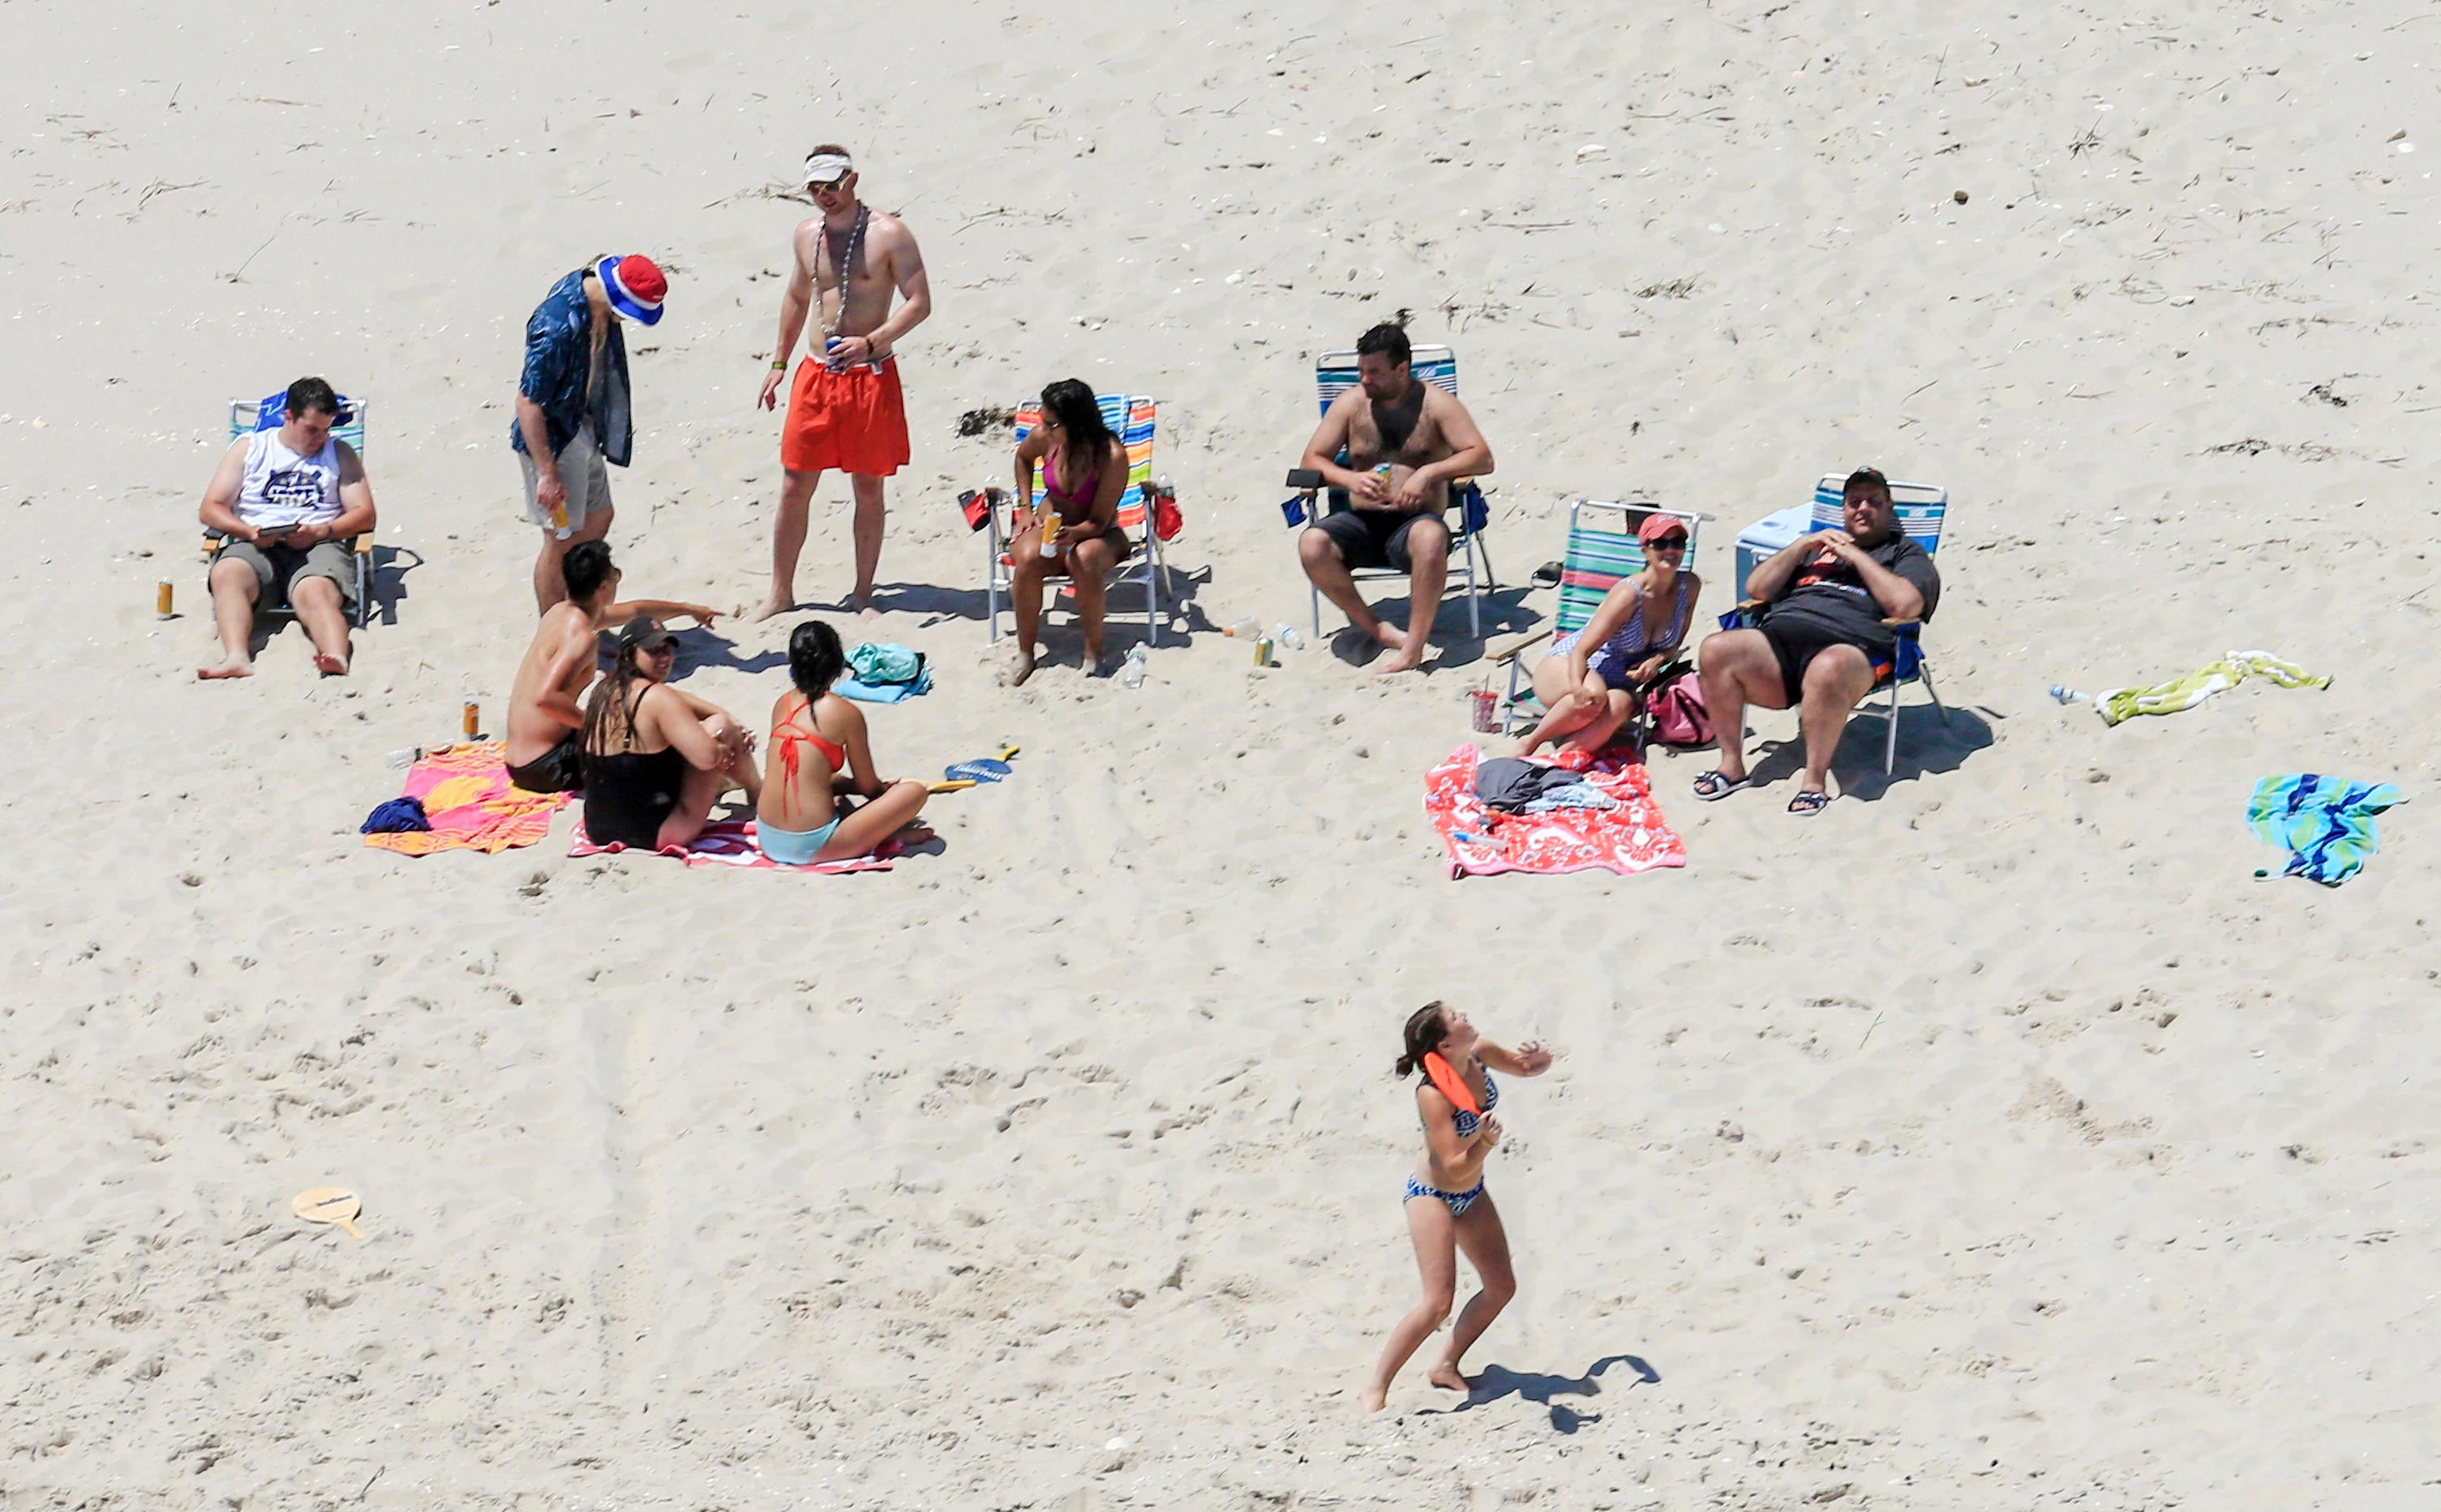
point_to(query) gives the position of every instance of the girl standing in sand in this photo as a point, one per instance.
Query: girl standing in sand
(1447, 1207)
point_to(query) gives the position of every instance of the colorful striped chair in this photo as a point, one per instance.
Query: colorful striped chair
(1602, 549)
(245, 417)
(1335, 373)
(1130, 418)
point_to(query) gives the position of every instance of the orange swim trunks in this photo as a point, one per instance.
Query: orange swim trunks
(850, 422)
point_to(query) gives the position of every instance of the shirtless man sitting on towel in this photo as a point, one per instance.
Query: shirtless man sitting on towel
(845, 410)
(1426, 437)
(546, 711)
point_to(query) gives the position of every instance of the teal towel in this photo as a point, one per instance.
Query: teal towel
(2325, 823)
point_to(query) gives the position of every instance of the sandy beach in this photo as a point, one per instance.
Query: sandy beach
(1996, 1139)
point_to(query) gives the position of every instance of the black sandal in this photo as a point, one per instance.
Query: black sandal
(1805, 806)
(1715, 785)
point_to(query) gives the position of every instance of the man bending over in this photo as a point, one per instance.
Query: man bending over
(289, 500)
(1825, 640)
(1405, 439)
(545, 709)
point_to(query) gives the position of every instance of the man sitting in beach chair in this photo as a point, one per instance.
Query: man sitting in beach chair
(288, 500)
(1404, 440)
(1830, 604)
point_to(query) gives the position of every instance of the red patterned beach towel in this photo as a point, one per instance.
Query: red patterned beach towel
(730, 842)
(1482, 841)
(468, 801)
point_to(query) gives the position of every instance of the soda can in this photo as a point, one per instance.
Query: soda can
(471, 719)
(1263, 652)
(1485, 708)
(161, 598)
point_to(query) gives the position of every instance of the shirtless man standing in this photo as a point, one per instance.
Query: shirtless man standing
(1426, 437)
(546, 711)
(845, 410)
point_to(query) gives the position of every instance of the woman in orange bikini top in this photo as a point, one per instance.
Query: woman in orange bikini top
(820, 761)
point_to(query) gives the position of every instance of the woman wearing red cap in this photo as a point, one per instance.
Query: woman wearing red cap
(1592, 679)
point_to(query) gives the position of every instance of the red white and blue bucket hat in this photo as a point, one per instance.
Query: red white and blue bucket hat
(636, 287)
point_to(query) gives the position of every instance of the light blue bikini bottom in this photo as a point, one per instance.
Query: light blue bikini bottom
(793, 847)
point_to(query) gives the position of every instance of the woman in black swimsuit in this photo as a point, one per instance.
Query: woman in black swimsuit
(656, 759)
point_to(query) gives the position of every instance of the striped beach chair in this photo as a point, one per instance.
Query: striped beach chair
(1920, 509)
(1602, 549)
(1130, 418)
(245, 417)
(1335, 373)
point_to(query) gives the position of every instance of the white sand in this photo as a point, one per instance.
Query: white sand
(1994, 1141)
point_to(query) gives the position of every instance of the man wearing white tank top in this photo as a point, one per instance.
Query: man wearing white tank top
(288, 500)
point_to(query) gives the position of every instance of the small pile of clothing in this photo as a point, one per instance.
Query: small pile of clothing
(882, 673)
(1515, 787)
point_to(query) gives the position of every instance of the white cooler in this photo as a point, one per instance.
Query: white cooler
(1766, 535)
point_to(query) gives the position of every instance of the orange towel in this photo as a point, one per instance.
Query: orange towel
(471, 805)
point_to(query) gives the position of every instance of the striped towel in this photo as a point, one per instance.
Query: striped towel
(2325, 823)
(2115, 704)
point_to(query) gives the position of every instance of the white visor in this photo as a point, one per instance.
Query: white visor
(827, 168)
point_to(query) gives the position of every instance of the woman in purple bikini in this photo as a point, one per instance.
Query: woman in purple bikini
(1447, 1207)
(1084, 472)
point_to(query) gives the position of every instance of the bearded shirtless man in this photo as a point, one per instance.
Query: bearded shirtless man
(845, 410)
(1425, 438)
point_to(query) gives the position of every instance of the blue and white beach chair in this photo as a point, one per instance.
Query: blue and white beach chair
(1335, 373)
(1130, 418)
(1602, 549)
(1920, 509)
(245, 417)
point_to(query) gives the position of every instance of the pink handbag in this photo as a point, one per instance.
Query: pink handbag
(1679, 717)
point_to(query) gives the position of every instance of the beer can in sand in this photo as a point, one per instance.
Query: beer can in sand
(161, 597)
(1263, 652)
(1486, 709)
(473, 719)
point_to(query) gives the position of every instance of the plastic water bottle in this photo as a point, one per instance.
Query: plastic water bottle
(1286, 636)
(2067, 695)
(1132, 671)
(1245, 629)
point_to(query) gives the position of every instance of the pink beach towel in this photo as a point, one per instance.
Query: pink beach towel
(730, 842)
(1483, 840)
(468, 801)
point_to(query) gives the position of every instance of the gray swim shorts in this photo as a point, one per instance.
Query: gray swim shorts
(584, 472)
(278, 568)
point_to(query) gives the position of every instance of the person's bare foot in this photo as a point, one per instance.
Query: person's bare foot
(913, 834)
(1446, 1377)
(776, 604)
(232, 667)
(1372, 1400)
(1094, 665)
(862, 602)
(1399, 663)
(329, 664)
(1525, 748)
(1391, 637)
(1020, 668)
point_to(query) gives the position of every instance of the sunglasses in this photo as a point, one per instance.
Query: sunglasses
(835, 186)
(1671, 543)
(666, 648)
